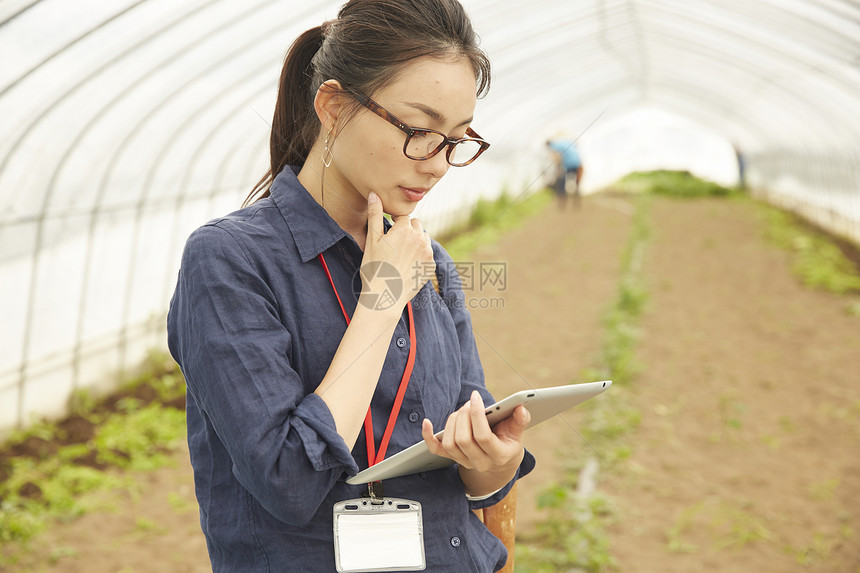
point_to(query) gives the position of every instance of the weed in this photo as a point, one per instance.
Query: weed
(683, 522)
(823, 490)
(179, 504)
(728, 525)
(731, 411)
(819, 548)
(772, 442)
(144, 525)
(59, 552)
(815, 258)
(786, 425)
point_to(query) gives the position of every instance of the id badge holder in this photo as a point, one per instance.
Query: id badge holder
(378, 534)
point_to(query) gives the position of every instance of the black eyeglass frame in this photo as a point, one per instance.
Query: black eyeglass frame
(412, 131)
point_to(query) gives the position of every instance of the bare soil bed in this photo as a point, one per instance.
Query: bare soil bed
(747, 455)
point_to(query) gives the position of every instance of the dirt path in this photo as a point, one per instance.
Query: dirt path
(563, 269)
(747, 455)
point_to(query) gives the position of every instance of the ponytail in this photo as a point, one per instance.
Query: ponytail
(294, 125)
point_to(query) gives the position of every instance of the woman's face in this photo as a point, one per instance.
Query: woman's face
(368, 152)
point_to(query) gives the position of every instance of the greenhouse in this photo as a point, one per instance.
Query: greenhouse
(128, 124)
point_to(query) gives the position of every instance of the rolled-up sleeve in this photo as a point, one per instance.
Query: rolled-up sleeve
(225, 332)
(472, 373)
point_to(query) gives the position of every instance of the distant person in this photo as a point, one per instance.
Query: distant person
(569, 163)
(739, 156)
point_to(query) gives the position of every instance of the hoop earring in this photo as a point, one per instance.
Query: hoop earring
(327, 154)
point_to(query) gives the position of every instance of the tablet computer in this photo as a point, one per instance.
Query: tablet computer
(542, 404)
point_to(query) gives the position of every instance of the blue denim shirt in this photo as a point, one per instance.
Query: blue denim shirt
(254, 325)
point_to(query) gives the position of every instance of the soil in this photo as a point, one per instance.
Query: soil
(746, 458)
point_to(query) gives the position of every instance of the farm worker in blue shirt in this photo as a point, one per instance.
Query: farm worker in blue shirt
(569, 163)
(305, 339)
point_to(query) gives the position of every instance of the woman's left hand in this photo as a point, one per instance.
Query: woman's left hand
(469, 440)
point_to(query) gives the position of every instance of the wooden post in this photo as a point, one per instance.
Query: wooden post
(501, 520)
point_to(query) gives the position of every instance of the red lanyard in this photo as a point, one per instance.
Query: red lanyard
(372, 457)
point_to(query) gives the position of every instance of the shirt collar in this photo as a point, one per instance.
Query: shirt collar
(313, 229)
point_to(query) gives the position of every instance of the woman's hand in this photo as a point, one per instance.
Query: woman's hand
(405, 247)
(488, 457)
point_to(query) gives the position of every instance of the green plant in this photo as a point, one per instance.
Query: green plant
(815, 257)
(69, 465)
(488, 220)
(140, 439)
(819, 547)
(574, 536)
(729, 524)
(621, 320)
(680, 184)
(58, 553)
(823, 490)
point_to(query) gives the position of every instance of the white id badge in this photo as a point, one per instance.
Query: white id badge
(378, 535)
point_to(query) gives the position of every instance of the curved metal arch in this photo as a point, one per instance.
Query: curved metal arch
(691, 20)
(778, 19)
(41, 115)
(217, 177)
(556, 28)
(752, 70)
(713, 113)
(722, 105)
(147, 186)
(513, 101)
(791, 98)
(40, 225)
(49, 193)
(68, 45)
(698, 24)
(120, 149)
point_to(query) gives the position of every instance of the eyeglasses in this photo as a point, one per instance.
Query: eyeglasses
(423, 144)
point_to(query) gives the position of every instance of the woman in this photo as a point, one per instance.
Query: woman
(291, 319)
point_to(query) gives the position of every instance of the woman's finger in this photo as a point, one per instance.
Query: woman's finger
(374, 216)
(481, 432)
(449, 437)
(433, 443)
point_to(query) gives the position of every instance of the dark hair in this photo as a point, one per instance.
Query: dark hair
(364, 49)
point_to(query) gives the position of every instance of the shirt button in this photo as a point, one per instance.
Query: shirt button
(401, 342)
(414, 417)
(455, 541)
